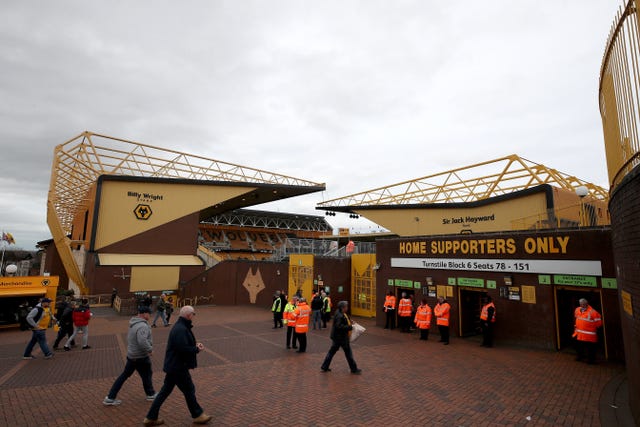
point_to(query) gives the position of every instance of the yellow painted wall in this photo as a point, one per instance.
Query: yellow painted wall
(164, 202)
(154, 278)
(497, 216)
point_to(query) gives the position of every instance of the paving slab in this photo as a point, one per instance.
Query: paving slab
(246, 377)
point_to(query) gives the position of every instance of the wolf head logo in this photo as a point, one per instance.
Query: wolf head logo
(253, 283)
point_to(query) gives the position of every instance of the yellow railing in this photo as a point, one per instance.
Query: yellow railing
(619, 94)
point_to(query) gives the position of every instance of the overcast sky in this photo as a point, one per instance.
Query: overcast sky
(355, 94)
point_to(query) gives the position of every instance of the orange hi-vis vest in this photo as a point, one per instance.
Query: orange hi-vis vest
(301, 317)
(442, 313)
(389, 303)
(587, 324)
(404, 308)
(423, 317)
(484, 314)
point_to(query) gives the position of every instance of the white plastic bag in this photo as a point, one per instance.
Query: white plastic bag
(357, 330)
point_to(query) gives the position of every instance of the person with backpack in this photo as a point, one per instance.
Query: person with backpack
(39, 319)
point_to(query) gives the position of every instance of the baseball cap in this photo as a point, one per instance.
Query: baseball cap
(45, 300)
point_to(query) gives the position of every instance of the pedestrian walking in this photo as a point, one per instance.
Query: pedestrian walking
(39, 319)
(139, 349)
(161, 308)
(340, 331)
(81, 316)
(65, 322)
(180, 357)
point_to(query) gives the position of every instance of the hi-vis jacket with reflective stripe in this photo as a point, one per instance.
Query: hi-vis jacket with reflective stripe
(423, 317)
(404, 307)
(587, 324)
(442, 313)
(288, 317)
(389, 302)
(301, 317)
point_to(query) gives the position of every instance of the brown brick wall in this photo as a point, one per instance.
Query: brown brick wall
(519, 323)
(625, 223)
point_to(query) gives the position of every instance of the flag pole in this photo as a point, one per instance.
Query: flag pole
(4, 246)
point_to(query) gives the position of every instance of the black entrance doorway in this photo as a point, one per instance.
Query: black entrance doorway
(470, 308)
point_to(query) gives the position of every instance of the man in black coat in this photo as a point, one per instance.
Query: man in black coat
(180, 357)
(340, 337)
(65, 322)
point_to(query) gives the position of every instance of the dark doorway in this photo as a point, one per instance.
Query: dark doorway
(566, 302)
(470, 308)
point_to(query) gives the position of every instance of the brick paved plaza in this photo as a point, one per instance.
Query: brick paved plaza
(246, 377)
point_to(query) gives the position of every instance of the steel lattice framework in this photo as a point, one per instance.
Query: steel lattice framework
(79, 162)
(466, 184)
(270, 220)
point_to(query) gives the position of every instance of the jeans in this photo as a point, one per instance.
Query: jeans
(184, 382)
(346, 347)
(85, 335)
(161, 315)
(38, 336)
(317, 318)
(143, 366)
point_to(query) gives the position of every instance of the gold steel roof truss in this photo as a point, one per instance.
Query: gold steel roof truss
(80, 161)
(463, 185)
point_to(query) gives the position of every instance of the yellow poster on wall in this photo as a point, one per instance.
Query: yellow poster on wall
(528, 294)
(301, 275)
(363, 285)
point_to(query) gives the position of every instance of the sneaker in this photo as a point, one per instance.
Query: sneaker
(67, 348)
(49, 356)
(28, 357)
(111, 402)
(84, 347)
(148, 422)
(357, 372)
(152, 397)
(325, 369)
(202, 419)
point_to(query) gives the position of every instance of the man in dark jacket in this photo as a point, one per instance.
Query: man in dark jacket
(65, 322)
(179, 358)
(340, 337)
